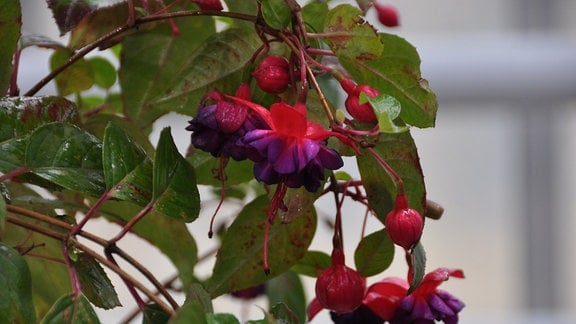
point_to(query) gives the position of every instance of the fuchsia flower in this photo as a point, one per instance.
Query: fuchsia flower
(386, 301)
(217, 128)
(293, 150)
(425, 304)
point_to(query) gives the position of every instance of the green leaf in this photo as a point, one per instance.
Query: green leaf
(217, 64)
(374, 254)
(16, 294)
(221, 318)
(314, 15)
(155, 62)
(401, 154)
(68, 13)
(312, 263)
(71, 310)
(2, 211)
(350, 36)
(197, 294)
(276, 13)
(174, 182)
(101, 22)
(96, 285)
(153, 314)
(387, 108)
(50, 280)
(189, 313)
(76, 78)
(397, 73)
(239, 262)
(283, 314)
(167, 234)
(68, 156)
(104, 72)
(120, 155)
(21, 115)
(418, 256)
(244, 7)
(11, 22)
(286, 293)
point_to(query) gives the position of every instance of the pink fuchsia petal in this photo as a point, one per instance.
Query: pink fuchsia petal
(383, 297)
(432, 280)
(288, 121)
(314, 308)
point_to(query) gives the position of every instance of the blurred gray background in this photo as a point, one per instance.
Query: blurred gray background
(500, 160)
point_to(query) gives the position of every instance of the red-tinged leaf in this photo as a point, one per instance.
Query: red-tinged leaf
(11, 22)
(374, 254)
(396, 72)
(99, 23)
(21, 115)
(239, 262)
(350, 36)
(68, 13)
(400, 152)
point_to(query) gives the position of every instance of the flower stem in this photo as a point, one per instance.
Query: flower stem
(395, 177)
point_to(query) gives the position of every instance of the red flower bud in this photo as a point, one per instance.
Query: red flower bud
(404, 225)
(340, 289)
(273, 74)
(387, 14)
(361, 112)
(209, 4)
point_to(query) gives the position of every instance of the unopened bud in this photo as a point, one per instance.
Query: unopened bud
(273, 75)
(340, 289)
(404, 225)
(387, 14)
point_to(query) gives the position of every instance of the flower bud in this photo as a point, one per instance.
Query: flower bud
(209, 4)
(273, 75)
(404, 225)
(340, 289)
(387, 14)
(361, 112)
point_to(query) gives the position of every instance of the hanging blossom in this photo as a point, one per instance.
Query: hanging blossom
(217, 128)
(387, 301)
(293, 150)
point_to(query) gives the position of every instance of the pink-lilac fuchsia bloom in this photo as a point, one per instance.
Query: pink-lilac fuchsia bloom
(217, 128)
(386, 301)
(426, 304)
(293, 151)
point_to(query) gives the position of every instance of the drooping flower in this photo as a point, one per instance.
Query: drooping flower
(425, 304)
(217, 128)
(293, 150)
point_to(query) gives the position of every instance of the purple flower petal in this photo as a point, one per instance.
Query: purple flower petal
(439, 306)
